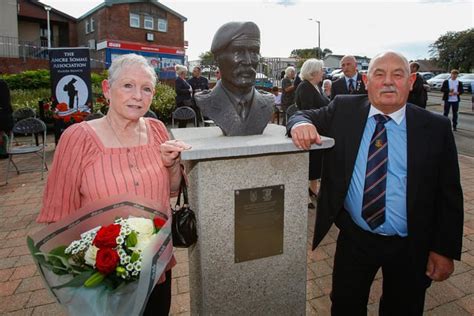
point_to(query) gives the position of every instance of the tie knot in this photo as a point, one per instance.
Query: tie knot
(379, 118)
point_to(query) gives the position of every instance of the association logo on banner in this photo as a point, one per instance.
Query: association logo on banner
(71, 80)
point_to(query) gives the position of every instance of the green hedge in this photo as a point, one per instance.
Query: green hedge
(30, 79)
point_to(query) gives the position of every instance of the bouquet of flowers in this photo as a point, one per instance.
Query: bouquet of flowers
(109, 269)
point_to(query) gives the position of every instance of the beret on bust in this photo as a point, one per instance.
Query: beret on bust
(232, 31)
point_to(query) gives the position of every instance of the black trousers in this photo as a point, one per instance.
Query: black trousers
(359, 255)
(159, 302)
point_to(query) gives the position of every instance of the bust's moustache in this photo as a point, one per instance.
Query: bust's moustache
(245, 71)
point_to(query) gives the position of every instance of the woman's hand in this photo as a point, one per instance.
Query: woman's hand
(171, 150)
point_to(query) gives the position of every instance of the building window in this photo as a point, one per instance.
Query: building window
(88, 27)
(134, 20)
(162, 25)
(148, 22)
(92, 25)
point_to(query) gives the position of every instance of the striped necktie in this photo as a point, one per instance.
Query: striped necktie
(373, 205)
(351, 86)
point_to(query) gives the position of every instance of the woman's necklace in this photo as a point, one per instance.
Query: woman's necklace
(131, 165)
(116, 136)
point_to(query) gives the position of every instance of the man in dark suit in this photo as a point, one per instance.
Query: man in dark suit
(351, 82)
(234, 104)
(391, 184)
(418, 94)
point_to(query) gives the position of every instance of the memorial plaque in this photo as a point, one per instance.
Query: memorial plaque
(259, 220)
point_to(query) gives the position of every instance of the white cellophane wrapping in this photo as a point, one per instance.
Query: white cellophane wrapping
(125, 300)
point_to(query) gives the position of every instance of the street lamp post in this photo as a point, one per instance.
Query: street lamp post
(319, 33)
(47, 8)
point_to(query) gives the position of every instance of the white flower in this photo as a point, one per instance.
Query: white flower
(129, 267)
(143, 226)
(142, 243)
(90, 255)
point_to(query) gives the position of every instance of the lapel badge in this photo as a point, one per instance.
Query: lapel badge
(378, 143)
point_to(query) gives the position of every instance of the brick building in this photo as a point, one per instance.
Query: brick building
(112, 28)
(148, 28)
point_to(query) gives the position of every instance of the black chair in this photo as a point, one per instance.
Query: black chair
(27, 126)
(183, 113)
(290, 111)
(23, 113)
(93, 116)
(151, 114)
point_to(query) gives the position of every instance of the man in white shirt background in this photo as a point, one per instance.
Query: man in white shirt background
(452, 89)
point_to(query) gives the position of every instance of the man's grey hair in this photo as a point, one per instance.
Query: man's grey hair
(406, 66)
(310, 68)
(349, 57)
(288, 70)
(180, 69)
(130, 60)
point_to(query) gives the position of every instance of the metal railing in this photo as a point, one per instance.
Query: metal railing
(12, 47)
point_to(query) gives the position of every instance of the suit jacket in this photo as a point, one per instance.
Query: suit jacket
(182, 91)
(418, 95)
(445, 90)
(434, 194)
(339, 86)
(216, 105)
(307, 97)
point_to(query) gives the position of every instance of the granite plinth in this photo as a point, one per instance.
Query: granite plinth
(274, 285)
(209, 142)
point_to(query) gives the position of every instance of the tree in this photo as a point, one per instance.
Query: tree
(455, 50)
(207, 58)
(302, 54)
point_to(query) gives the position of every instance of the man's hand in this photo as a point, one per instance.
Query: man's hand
(439, 267)
(304, 135)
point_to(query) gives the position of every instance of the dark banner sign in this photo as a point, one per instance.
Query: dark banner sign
(71, 80)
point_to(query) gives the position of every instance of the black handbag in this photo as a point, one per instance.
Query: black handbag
(183, 227)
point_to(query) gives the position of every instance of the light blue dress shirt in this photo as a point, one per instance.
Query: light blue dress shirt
(353, 78)
(396, 209)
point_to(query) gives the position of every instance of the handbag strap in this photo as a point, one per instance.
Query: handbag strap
(184, 190)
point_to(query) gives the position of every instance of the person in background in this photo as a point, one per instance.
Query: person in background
(297, 81)
(327, 84)
(351, 82)
(391, 184)
(198, 82)
(6, 119)
(183, 91)
(89, 160)
(308, 96)
(288, 90)
(418, 94)
(452, 88)
(277, 109)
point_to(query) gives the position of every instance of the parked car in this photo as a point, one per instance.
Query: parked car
(437, 81)
(336, 74)
(467, 80)
(426, 75)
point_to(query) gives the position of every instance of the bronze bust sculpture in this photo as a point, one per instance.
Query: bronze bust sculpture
(234, 104)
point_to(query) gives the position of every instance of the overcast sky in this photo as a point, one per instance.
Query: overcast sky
(347, 27)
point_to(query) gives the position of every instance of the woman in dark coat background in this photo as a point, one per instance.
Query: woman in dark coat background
(183, 91)
(309, 95)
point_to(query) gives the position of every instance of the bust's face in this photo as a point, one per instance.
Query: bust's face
(238, 64)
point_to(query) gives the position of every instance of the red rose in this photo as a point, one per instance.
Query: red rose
(106, 260)
(159, 222)
(106, 236)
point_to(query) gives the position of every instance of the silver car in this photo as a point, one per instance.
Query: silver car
(437, 81)
(467, 80)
